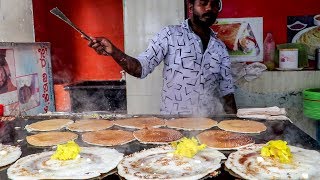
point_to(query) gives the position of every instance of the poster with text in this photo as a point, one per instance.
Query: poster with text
(26, 86)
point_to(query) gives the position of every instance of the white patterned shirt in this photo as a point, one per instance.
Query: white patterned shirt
(193, 78)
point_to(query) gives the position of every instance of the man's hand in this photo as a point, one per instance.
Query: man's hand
(102, 46)
(229, 104)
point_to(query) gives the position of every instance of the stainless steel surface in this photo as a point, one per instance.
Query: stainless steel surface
(55, 11)
(13, 132)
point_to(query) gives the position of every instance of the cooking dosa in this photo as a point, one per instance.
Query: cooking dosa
(140, 122)
(249, 164)
(90, 125)
(51, 138)
(157, 135)
(160, 163)
(48, 125)
(191, 123)
(242, 126)
(9, 154)
(224, 140)
(92, 162)
(108, 137)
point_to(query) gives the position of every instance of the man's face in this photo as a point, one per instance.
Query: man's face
(3, 77)
(205, 12)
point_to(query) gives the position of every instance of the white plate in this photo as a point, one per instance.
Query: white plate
(297, 36)
(289, 69)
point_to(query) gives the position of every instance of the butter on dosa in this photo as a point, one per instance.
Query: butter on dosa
(160, 163)
(249, 164)
(92, 162)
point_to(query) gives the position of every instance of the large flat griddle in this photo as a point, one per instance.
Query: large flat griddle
(284, 130)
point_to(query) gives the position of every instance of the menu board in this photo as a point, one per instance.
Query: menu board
(26, 86)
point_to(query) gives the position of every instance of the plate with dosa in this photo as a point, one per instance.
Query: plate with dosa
(48, 125)
(92, 162)
(51, 138)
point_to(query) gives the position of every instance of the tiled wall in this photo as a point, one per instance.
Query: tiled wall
(143, 19)
(282, 89)
(16, 21)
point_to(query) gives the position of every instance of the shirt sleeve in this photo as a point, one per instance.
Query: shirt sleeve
(155, 53)
(226, 81)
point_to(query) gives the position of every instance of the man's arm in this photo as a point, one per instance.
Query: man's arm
(229, 104)
(104, 47)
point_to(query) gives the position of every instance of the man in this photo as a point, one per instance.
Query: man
(197, 65)
(5, 80)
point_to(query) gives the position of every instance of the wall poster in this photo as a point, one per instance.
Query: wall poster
(242, 36)
(26, 86)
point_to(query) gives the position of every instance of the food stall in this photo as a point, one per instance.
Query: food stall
(44, 153)
(14, 132)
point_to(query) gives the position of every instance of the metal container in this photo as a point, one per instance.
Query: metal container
(288, 58)
(98, 96)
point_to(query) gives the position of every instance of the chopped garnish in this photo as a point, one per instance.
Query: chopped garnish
(277, 149)
(187, 147)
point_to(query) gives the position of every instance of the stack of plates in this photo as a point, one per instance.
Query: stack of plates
(311, 103)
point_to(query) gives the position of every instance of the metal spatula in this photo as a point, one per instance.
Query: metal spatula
(55, 11)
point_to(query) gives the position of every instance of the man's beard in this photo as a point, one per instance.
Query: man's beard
(206, 22)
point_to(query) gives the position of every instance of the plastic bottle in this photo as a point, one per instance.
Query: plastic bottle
(269, 50)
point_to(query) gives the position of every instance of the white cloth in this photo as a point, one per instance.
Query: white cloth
(268, 113)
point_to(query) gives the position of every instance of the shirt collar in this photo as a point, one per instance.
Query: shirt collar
(185, 25)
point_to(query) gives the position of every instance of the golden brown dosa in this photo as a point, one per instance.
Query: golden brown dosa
(90, 125)
(108, 137)
(157, 135)
(51, 138)
(224, 140)
(242, 126)
(49, 125)
(191, 123)
(141, 122)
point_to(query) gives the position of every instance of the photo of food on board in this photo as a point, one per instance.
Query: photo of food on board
(242, 37)
(305, 30)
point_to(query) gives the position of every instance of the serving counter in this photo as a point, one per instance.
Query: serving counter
(13, 133)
